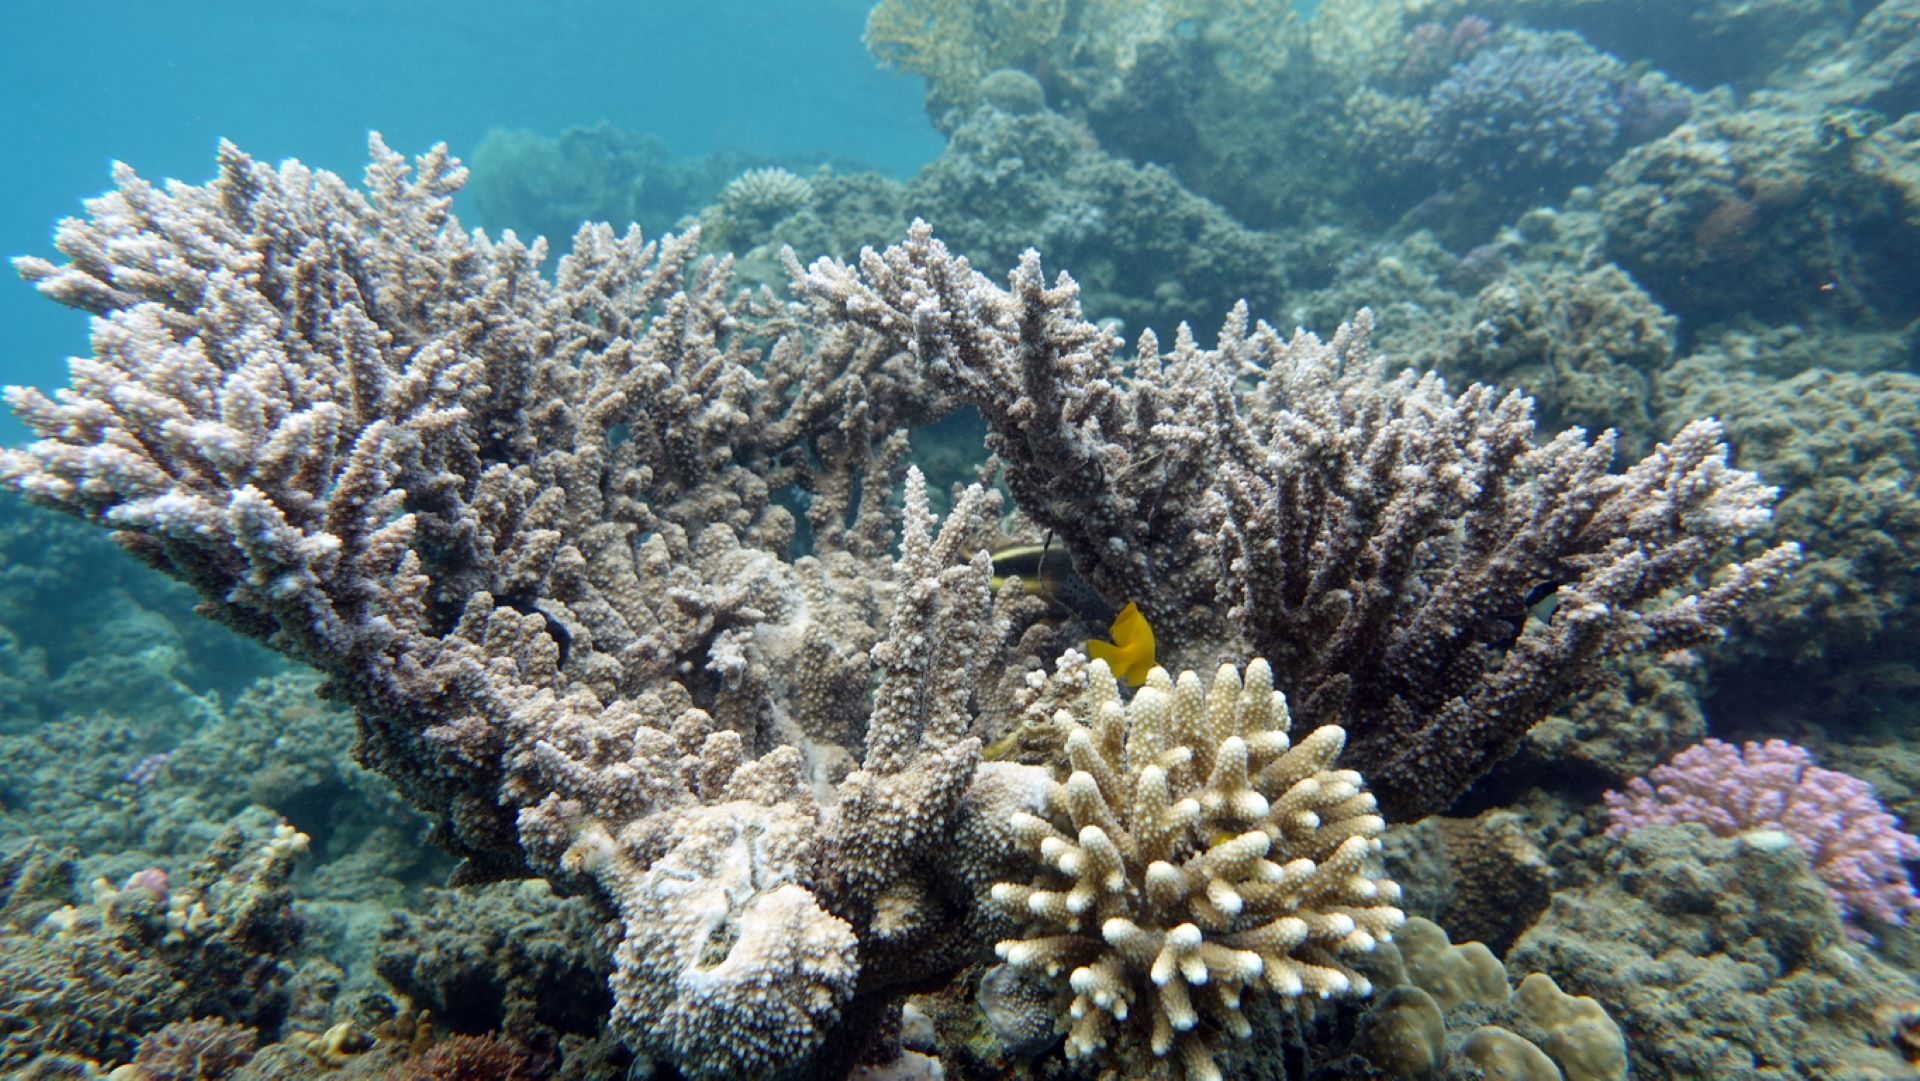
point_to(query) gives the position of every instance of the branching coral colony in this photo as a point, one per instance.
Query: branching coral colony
(1193, 855)
(529, 529)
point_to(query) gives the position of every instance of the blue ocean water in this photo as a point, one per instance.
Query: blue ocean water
(157, 85)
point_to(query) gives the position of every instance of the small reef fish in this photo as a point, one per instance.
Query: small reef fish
(1046, 571)
(1130, 654)
(1538, 607)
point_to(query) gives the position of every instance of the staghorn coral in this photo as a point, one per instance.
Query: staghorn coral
(1376, 538)
(1194, 855)
(730, 963)
(526, 528)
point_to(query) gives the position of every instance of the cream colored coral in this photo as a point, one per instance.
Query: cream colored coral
(765, 194)
(1452, 974)
(1581, 1038)
(1193, 854)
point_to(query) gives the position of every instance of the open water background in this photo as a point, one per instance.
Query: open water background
(157, 85)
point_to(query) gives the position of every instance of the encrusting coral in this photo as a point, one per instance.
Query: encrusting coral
(1193, 855)
(536, 533)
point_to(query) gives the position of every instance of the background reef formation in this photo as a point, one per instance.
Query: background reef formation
(537, 533)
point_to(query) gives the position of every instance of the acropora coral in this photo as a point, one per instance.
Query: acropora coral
(1195, 854)
(538, 533)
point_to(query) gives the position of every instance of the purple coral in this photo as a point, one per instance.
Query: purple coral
(1538, 107)
(1855, 846)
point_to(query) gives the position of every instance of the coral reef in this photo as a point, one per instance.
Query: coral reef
(205, 1050)
(1194, 855)
(1494, 880)
(1150, 252)
(1540, 109)
(549, 186)
(1195, 86)
(509, 957)
(1147, 251)
(1854, 845)
(1377, 538)
(85, 628)
(1649, 709)
(1719, 958)
(1842, 446)
(670, 578)
(97, 977)
(469, 1058)
(1586, 345)
(1780, 209)
(1084, 48)
(1749, 42)
(537, 533)
(404, 542)
(131, 791)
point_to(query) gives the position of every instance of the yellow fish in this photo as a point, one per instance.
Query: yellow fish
(1130, 654)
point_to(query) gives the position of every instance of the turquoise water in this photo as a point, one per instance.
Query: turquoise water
(158, 86)
(501, 678)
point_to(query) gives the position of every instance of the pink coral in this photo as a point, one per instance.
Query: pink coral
(1855, 846)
